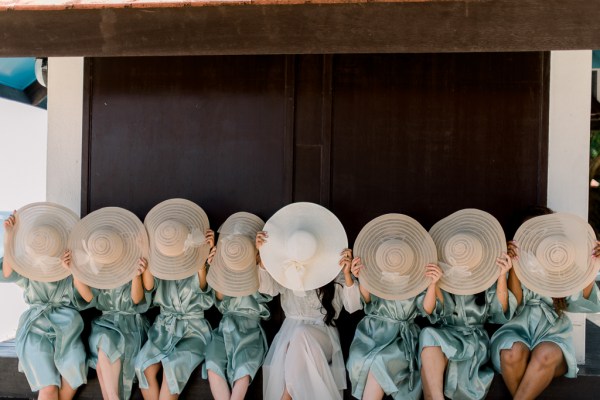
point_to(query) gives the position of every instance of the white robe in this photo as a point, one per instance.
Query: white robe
(305, 356)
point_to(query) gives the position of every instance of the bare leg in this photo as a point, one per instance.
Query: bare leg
(66, 392)
(218, 386)
(153, 390)
(240, 387)
(373, 390)
(547, 362)
(165, 394)
(286, 395)
(48, 393)
(433, 365)
(513, 363)
(111, 374)
(100, 379)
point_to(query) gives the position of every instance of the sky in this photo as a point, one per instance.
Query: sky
(23, 138)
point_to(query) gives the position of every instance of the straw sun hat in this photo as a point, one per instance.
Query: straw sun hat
(40, 237)
(555, 254)
(395, 249)
(233, 271)
(468, 243)
(106, 246)
(178, 247)
(304, 246)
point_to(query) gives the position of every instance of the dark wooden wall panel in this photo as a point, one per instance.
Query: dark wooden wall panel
(426, 135)
(211, 129)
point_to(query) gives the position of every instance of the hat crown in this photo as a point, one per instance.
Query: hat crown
(463, 249)
(237, 251)
(105, 246)
(170, 237)
(44, 240)
(557, 252)
(394, 255)
(301, 246)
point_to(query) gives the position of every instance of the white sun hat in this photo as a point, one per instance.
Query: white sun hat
(304, 246)
(106, 246)
(395, 249)
(233, 271)
(40, 237)
(468, 243)
(178, 248)
(555, 254)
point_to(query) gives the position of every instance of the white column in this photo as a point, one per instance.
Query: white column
(65, 119)
(568, 146)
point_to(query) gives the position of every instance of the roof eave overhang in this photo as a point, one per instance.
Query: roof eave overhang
(290, 27)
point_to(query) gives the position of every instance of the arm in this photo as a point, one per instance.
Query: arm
(433, 272)
(210, 240)
(267, 284)
(84, 290)
(148, 280)
(514, 284)
(587, 291)
(355, 267)
(9, 224)
(505, 264)
(137, 287)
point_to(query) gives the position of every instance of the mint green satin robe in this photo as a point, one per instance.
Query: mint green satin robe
(465, 343)
(385, 344)
(119, 332)
(48, 339)
(535, 321)
(180, 334)
(239, 345)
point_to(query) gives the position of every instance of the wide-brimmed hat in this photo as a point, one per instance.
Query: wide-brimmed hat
(233, 271)
(178, 248)
(555, 254)
(40, 237)
(304, 245)
(106, 246)
(395, 249)
(468, 243)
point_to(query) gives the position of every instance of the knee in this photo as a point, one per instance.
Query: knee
(547, 357)
(48, 393)
(516, 355)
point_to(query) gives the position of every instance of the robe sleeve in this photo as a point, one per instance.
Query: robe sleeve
(579, 304)
(267, 284)
(495, 313)
(438, 310)
(14, 277)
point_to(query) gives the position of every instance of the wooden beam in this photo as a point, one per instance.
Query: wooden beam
(310, 28)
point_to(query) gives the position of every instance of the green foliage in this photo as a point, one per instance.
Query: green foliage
(594, 144)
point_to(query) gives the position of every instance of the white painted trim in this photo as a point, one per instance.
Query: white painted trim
(569, 146)
(65, 121)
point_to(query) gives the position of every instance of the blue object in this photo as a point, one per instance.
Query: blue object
(17, 73)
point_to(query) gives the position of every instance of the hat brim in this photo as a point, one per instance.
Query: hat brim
(331, 239)
(574, 240)
(45, 267)
(394, 227)
(134, 239)
(241, 280)
(485, 228)
(187, 263)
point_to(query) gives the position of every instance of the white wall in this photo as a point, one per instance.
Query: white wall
(65, 108)
(23, 130)
(569, 146)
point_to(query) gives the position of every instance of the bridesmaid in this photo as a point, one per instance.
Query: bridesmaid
(106, 255)
(181, 245)
(536, 345)
(178, 338)
(48, 339)
(239, 345)
(454, 354)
